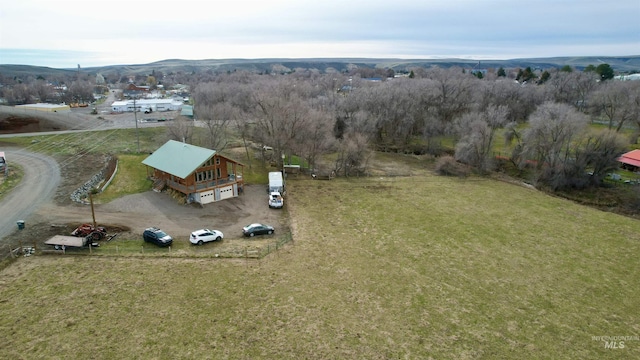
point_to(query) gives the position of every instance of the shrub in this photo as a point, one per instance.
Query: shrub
(448, 166)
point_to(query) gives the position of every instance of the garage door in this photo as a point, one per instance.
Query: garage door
(226, 192)
(206, 197)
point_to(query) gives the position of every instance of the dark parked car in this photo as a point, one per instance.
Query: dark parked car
(257, 229)
(157, 236)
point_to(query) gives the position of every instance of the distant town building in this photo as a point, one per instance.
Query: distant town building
(133, 90)
(147, 105)
(627, 77)
(45, 107)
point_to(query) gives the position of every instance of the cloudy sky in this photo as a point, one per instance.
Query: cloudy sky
(64, 33)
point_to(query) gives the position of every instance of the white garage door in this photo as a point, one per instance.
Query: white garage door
(226, 192)
(206, 197)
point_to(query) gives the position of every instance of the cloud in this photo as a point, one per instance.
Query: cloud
(144, 30)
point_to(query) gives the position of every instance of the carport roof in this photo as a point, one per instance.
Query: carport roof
(178, 159)
(631, 158)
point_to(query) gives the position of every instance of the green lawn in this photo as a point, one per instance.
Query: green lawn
(407, 267)
(133, 180)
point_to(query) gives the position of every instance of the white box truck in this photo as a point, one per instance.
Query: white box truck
(276, 182)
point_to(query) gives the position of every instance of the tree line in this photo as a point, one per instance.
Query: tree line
(546, 123)
(545, 118)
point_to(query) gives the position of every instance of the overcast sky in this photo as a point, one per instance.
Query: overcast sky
(64, 33)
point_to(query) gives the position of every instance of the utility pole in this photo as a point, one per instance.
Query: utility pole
(93, 214)
(135, 116)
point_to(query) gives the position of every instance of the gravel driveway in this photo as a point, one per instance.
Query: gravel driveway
(38, 185)
(139, 211)
(130, 215)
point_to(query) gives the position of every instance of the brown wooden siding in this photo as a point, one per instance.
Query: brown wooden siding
(215, 173)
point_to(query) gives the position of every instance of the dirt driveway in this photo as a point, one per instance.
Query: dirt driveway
(158, 209)
(131, 214)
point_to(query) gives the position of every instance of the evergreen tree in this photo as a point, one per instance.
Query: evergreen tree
(605, 71)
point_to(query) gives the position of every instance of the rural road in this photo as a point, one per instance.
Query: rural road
(38, 185)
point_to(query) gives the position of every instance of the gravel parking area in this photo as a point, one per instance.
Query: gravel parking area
(130, 215)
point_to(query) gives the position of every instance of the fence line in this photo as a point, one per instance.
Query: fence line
(142, 251)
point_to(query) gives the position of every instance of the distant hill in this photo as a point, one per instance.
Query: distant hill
(619, 64)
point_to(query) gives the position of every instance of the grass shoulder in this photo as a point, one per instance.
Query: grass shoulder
(10, 180)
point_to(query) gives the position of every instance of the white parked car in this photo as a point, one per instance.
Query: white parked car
(202, 236)
(275, 200)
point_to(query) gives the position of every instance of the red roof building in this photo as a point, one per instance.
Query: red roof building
(631, 160)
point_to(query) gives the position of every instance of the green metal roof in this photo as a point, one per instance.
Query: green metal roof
(178, 159)
(187, 110)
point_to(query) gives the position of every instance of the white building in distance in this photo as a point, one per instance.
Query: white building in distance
(147, 105)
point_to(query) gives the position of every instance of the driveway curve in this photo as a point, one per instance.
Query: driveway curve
(39, 183)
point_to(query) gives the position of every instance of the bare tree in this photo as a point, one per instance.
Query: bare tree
(550, 142)
(598, 154)
(314, 139)
(478, 131)
(18, 94)
(616, 101)
(513, 137)
(42, 90)
(353, 155)
(181, 129)
(241, 126)
(390, 108)
(80, 91)
(520, 100)
(453, 92)
(280, 114)
(571, 87)
(585, 83)
(216, 119)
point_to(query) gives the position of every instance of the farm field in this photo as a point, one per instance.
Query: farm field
(379, 267)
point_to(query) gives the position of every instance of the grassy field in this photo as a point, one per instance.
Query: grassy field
(404, 267)
(118, 141)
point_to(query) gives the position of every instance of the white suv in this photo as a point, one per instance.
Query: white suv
(202, 236)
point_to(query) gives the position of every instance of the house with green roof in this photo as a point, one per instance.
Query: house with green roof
(202, 175)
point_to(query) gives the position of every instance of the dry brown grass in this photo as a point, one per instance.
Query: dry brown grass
(414, 267)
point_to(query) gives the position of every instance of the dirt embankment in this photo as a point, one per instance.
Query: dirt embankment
(15, 121)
